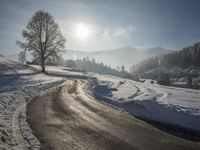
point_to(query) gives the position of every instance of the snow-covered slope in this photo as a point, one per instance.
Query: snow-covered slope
(8, 67)
(176, 106)
(15, 75)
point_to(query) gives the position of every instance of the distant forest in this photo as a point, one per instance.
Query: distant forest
(88, 65)
(185, 58)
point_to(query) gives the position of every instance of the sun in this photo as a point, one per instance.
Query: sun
(82, 31)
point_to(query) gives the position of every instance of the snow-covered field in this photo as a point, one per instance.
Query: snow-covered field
(176, 106)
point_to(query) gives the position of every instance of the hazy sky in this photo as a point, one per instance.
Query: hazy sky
(110, 23)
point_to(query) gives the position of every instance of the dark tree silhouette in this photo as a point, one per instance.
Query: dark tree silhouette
(86, 64)
(22, 56)
(122, 68)
(188, 57)
(42, 37)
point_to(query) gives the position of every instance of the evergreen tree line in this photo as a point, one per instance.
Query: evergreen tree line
(185, 58)
(86, 64)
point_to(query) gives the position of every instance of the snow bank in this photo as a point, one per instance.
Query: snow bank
(176, 106)
(19, 84)
(14, 130)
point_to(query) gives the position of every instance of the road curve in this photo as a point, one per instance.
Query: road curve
(69, 119)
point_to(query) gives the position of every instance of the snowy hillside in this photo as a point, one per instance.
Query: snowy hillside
(149, 100)
(178, 76)
(14, 75)
(8, 66)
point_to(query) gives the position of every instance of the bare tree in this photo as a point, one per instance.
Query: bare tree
(22, 57)
(42, 37)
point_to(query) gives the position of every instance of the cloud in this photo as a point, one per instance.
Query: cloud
(117, 32)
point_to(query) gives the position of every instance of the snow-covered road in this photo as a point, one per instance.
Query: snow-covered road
(71, 119)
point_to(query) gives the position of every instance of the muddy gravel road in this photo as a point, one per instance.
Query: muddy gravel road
(70, 119)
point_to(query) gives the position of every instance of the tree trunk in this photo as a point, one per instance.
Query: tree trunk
(43, 66)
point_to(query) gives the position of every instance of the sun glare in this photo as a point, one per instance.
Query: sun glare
(82, 31)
